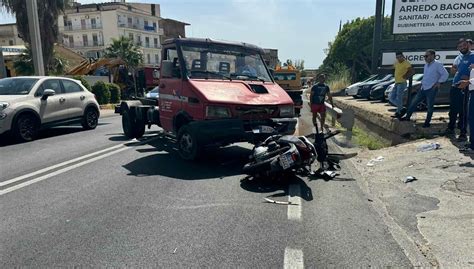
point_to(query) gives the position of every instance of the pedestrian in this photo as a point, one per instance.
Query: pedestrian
(403, 70)
(460, 69)
(434, 74)
(469, 148)
(317, 97)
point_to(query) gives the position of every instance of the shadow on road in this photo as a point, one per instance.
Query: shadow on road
(215, 163)
(7, 140)
(268, 185)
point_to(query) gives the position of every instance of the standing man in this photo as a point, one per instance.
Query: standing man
(470, 83)
(433, 75)
(403, 70)
(317, 97)
(461, 70)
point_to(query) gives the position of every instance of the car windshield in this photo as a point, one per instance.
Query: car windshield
(284, 76)
(16, 86)
(224, 62)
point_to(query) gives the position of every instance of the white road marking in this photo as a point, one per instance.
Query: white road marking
(120, 147)
(60, 171)
(294, 197)
(293, 259)
(13, 180)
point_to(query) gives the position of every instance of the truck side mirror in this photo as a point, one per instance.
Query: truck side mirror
(166, 69)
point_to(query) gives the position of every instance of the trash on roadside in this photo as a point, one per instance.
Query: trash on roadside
(373, 161)
(268, 200)
(428, 147)
(409, 179)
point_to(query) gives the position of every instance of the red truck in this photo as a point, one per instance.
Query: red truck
(212, 93)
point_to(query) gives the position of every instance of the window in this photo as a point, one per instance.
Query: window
(147, 42)
(148, 58)
(95, 40)
(130, 35)
(139, 41)
(155, 41)
(50, 84)
(71, 86)
(83, 24)
(85, 40)
(172, 55)
(146, 23)
(10, 42)
(157, 58)
(130, 22)
(71, 41)
(93, 23)
(154, 26)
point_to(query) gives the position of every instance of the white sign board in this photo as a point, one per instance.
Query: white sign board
(418, 58)
(432, 16)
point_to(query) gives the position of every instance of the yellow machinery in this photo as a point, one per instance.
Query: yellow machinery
(289, 78)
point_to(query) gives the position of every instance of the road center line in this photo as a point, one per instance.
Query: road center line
(120, 147)
(294, 197)
(13, 180)
(293, 259)
(60, 171)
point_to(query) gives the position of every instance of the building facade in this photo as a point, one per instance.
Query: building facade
(9, 35)
(89, 29)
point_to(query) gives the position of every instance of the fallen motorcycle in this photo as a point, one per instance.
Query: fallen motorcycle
(293, 154)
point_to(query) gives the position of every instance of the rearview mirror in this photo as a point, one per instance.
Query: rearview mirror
(166, 69)
(47, 93)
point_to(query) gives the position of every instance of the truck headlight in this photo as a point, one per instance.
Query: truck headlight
(287, 111)
(4, 105)
(217, 112)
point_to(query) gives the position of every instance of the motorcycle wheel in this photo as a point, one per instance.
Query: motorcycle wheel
(255, 168)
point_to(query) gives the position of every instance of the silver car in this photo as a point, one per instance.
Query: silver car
(30, 103)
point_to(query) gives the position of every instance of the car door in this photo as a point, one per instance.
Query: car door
(54, 108)
(170, 92)
(75, 96)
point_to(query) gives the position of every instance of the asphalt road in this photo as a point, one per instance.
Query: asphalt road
(93, 198)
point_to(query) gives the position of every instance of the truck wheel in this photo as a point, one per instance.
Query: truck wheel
(187, 144)
(139, 129)
(90, 119)
(128, 124)
(25, 128)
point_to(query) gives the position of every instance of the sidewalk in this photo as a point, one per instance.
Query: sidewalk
(436, 211)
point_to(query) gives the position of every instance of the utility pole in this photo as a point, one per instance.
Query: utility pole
(35, 37)
(379, 14)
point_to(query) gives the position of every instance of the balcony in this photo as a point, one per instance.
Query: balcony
(80, 44)
(89, 26)
(140, 27)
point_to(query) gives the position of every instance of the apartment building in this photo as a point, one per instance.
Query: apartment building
(9, 35)
(89, 29)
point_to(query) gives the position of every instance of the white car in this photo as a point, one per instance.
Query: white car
(154, 93)
(30, 103)
(354, 88)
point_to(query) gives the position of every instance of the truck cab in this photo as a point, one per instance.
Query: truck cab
(214, 93)
(289, 78)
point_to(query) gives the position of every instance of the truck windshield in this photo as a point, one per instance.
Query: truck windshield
(221, 62)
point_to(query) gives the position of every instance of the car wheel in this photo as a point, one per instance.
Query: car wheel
(187, 143)
(25, 128)
(90, 119)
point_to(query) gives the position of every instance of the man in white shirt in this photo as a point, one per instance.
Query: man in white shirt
(464, 83)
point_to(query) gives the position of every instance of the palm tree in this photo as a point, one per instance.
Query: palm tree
(48, 11)
(124, 49)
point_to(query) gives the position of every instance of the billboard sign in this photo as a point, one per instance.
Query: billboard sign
(432, 16)
(418, 58)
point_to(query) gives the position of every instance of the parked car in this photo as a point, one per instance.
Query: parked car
(378, 92)
(154, 93)
(30, 103)
(364, 89)
(442, 98)
(352, 90)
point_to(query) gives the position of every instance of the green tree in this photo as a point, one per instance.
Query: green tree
(353, 47)
(124, 49)
(48, 11)
(24, 64)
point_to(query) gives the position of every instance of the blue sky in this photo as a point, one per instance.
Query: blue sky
(299, 29)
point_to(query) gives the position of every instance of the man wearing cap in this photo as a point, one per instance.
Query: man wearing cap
(458, 99)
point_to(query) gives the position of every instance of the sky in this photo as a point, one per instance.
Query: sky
(299, 29)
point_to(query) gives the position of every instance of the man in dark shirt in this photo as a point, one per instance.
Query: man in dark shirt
(319, 91)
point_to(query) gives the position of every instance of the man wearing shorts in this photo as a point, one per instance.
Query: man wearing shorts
(319, 91)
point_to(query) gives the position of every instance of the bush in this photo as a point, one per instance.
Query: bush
(102, 92)
(114, 93)
(83, 81)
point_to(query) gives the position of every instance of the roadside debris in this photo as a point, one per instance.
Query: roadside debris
(428, 147)
(278, 202)
(376, 160)
(409, 179)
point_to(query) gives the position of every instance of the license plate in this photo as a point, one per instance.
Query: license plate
(286, 161)
(264, 130)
